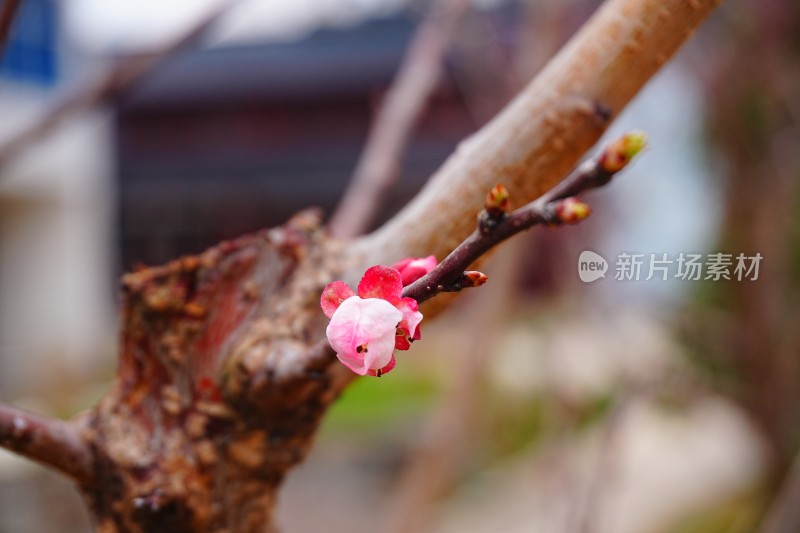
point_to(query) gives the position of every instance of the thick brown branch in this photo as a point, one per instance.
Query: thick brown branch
(537, 138)
(7, 13)
(416, 80)
(52, 442)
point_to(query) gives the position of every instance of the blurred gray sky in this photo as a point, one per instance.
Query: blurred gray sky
(100, 26)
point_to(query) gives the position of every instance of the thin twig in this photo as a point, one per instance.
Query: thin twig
(448, 276)
(108, 85)
(50, 441)
(416, 80)
(7, 14)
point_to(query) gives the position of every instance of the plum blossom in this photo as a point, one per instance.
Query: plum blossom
(362, 331)
(413, 268)
(366, 327)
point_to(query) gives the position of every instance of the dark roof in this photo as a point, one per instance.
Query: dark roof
(330, 62)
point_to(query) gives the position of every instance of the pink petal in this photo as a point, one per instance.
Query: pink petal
(403, 263)
(410, 322)
(362, 332)
(413, 268)
(333, 295)
(379, 352)
(401, 341)
(386, 369)
(381, 282)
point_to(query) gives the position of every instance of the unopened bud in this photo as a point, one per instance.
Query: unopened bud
(497, 201)
(473, 278)
(619, 153)
(572, 210)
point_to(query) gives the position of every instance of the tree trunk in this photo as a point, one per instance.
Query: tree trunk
(218, 393)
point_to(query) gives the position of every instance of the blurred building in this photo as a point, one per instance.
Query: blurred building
(55, 299)
(228, 140)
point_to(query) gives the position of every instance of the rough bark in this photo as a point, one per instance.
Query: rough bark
(218, 392)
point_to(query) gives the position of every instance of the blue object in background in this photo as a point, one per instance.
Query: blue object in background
(31, 54)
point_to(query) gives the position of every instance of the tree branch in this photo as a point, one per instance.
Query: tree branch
(104, 88)
(7, 14)
(543, 132)
(417, 78)
(52, 442)
(555, 207)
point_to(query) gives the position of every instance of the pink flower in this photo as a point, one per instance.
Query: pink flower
(362, 331)
(413, 268)
(365, 328)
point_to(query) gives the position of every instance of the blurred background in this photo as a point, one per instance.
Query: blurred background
(538, 403)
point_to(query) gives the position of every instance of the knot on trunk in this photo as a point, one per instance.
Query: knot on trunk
(220, 386)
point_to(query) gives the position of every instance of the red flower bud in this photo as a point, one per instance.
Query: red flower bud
(572, 210)
(619, 153)
(496, 203)
(473, 278)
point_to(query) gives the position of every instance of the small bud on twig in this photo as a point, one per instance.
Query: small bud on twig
(496, 203)
(466, 280)
(473, 278)
(496, 207)
(571, 210)
(619, 153)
